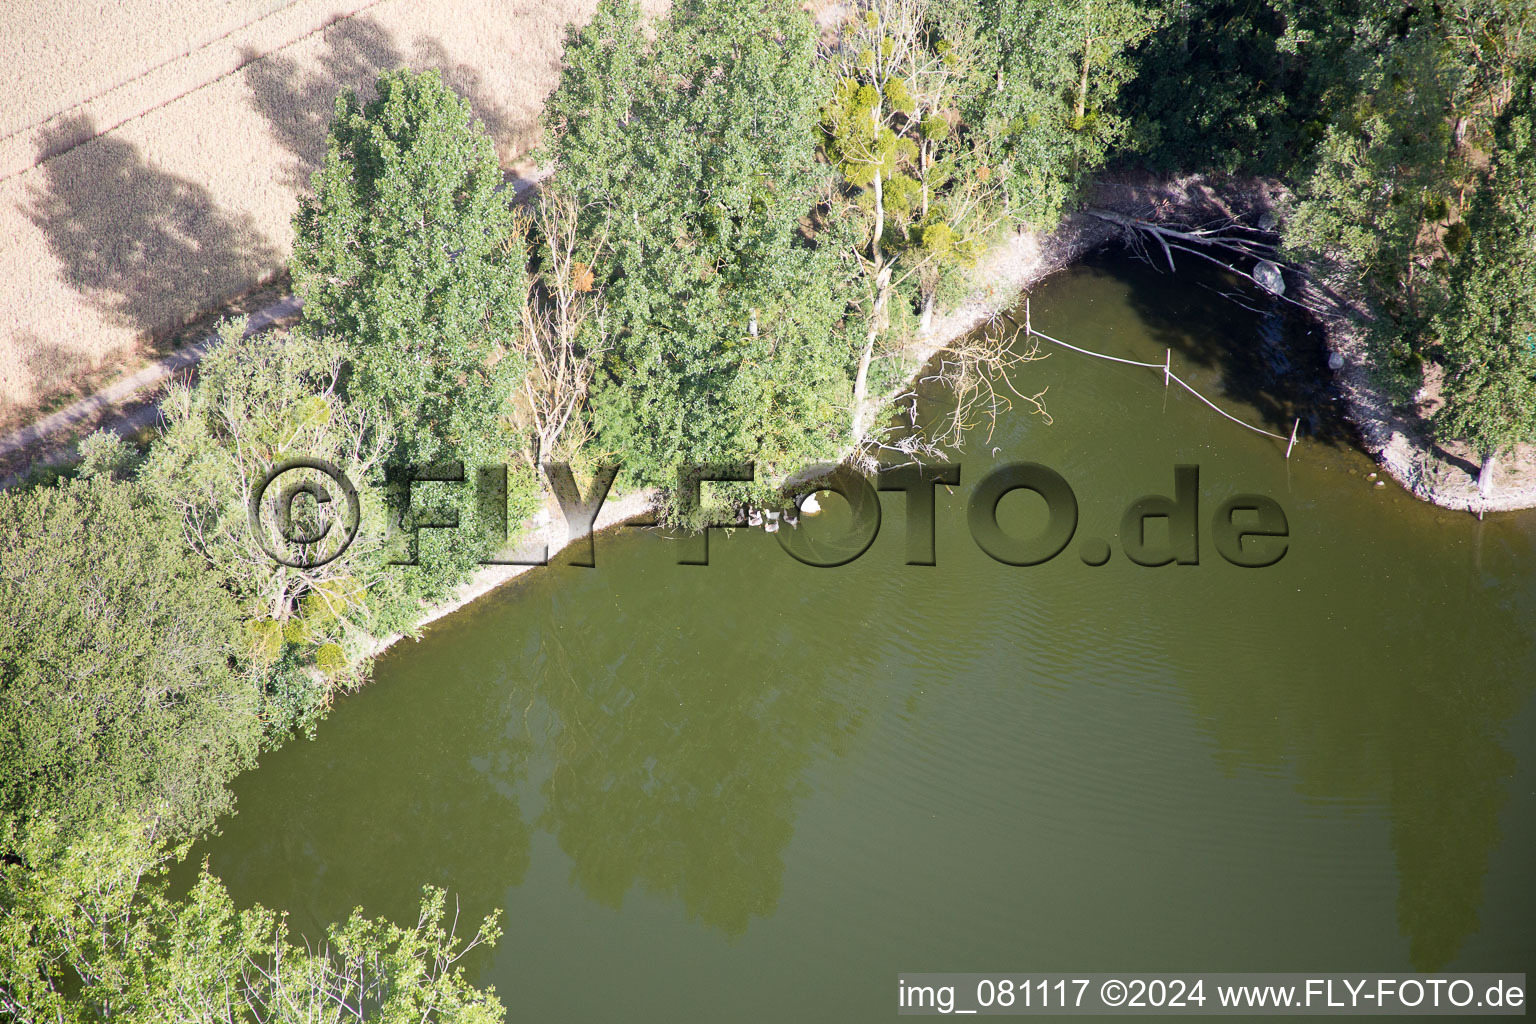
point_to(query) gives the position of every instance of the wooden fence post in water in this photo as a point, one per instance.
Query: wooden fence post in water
(1168, 377)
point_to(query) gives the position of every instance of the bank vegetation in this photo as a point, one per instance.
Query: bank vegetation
(749, 217)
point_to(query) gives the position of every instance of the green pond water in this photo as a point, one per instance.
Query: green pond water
(758, 790)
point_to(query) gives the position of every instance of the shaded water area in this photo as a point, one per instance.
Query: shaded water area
(758, 790)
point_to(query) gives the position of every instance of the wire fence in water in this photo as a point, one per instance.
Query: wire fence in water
(1168, 375)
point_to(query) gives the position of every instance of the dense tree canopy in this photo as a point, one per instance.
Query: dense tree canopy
(148, 641)
(414, 274)
(1382, 170)
(1488, 325)
(407, 253)
(1046, 89)
(1413, 101)
(692, 160)
(1239, 86)
(89, 932)
(261, 400)
(117, 686)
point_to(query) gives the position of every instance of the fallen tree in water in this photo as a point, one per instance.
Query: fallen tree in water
(1230, 236)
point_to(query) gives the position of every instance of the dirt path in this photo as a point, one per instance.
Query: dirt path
(126, 406)
(92, 406)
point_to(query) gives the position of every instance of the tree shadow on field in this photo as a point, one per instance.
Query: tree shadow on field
(49, 371)
(36, 363)
(465, 80)
(298, 99)
(146, 246)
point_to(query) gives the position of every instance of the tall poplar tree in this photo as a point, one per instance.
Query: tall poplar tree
(406, 253)
(691, 158)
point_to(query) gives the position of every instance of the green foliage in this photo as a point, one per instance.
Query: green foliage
(330, 658)
(916, 197)
(264, 640)
(413, 277)
(1251, 86)
(1411, 101)
(295, 698)
(1386, 155)
(606, 68)
(860, 142)
(1240, 86)
(259, 401)
(692, 158)
(89, 933)
(1488, 326)
(270, 397)
(116, 687)
(105, 453)
(407, 254)
(1045, 90)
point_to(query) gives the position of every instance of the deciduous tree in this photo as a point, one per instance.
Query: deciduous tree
(692, 156)
(89, 932)
(1380, 211)
(406, 254)
(117, 686)
(260, 401)
(918, 204)
(1045, 90)
(1488, 326)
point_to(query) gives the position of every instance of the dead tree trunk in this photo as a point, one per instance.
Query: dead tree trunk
(876, 325)
(1231, 239)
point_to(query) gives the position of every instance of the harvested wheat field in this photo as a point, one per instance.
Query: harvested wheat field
(152, 152)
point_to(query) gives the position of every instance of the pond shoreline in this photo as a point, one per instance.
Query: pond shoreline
(1010, 269)
(1398, 438)
(1397, 443)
